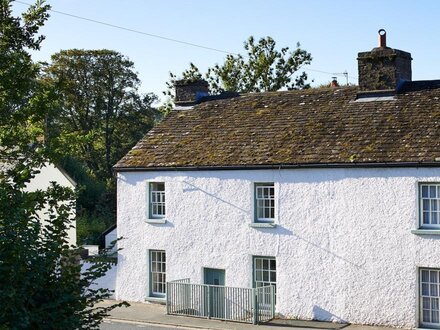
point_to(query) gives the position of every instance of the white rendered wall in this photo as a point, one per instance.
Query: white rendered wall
(343, 245)
(105, 282)
(50, 173)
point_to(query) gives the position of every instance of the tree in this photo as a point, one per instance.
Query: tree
(262, 69)
(100, 115)
(40, 282)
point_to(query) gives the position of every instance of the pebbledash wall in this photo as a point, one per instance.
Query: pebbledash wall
(343, 245)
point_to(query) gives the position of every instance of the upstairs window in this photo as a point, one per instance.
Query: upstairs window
(430, 205)
(157, 200)
(264, 202)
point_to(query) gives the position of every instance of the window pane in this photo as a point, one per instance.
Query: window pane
(258, 263)
(260, 214)
(273, 264)
(426, 316)
(258, 276)
(434, 304)
(432, 192)
(265, 275)
(265, 264)
(273, 276)
(434, 218)
(272, 213)
(434, 317)
(426, 303)
(433, 276)
(434, 290)
(426, 217)
(426, 205)
(424, 191)
(425, 289)
(425, 276)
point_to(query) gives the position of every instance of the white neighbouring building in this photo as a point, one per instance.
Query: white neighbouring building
(42, 180)
(332, 195)
(49, 173)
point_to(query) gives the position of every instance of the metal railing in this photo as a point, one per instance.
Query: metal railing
(250, 305)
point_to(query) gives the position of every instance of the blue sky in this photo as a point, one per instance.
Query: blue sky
(333, 31)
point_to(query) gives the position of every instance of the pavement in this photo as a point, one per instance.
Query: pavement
(155, 315)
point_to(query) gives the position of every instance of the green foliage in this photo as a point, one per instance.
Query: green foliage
(262, 69)
(89, 228)
(40, 282)
(95, 203)
(99, 114)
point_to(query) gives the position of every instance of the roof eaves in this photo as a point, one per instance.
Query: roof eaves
(280, 166)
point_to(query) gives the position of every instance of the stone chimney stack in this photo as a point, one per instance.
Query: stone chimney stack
(190, 92)
(383, 68)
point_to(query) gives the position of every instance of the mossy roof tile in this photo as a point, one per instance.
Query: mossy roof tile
(294, 127)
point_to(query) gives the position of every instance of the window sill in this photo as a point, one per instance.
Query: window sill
(422, 231)
(156, 221)
(262, 225)
(157, 300)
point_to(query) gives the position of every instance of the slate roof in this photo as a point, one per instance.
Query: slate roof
(312, 127)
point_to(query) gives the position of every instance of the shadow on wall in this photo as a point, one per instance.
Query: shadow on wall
(195, 188)
(329, 252)
(323, 315)
(278, 230)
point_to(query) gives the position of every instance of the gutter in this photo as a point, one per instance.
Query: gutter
(279, 166)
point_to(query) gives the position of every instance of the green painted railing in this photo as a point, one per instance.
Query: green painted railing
(250, 305)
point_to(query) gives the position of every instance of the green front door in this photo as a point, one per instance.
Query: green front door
(216, 278)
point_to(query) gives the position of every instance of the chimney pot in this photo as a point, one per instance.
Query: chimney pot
(382, 38)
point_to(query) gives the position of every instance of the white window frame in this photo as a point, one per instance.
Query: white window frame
(264, 276)
(263, 200)
(429, 194)
(429, 297)
(157, 273)
(156, 201)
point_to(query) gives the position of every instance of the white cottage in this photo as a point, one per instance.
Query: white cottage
(332, 195)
